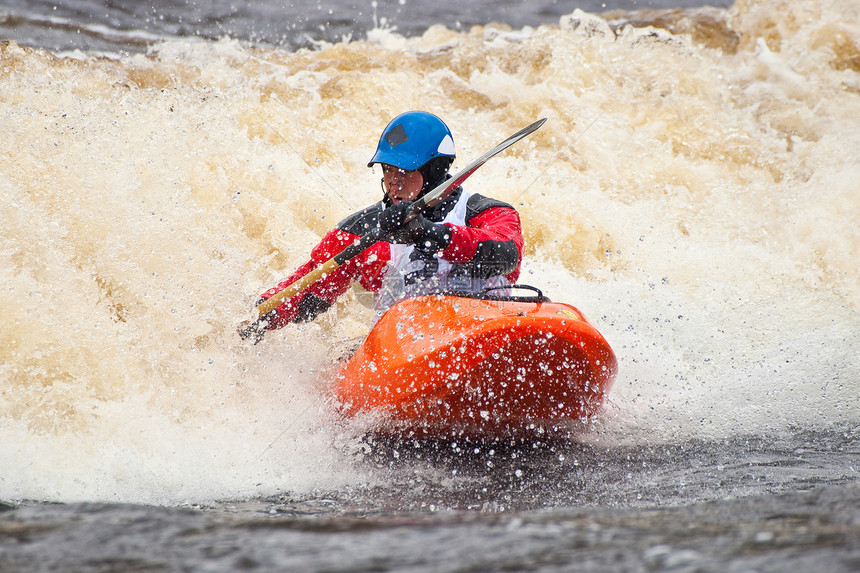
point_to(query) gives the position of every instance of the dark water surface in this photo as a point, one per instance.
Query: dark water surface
(798, 531)
(131, 25)
(788, 503)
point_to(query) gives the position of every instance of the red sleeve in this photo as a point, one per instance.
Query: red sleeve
(366, 268)
(500, 224)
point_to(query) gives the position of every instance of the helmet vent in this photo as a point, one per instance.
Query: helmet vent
(397, 135)
(446, 147)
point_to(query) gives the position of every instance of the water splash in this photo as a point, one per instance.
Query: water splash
(705, 224)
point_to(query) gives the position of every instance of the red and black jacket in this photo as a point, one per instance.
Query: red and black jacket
(490, 244)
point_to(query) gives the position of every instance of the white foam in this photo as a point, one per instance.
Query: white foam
(699, 206)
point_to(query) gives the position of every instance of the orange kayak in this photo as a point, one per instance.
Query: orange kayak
(449, 367)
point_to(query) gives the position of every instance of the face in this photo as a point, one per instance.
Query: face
(401, 185)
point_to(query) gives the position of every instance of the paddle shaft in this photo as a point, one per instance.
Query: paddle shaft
(429, 200)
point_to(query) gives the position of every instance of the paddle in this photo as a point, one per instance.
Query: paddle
(254, 330)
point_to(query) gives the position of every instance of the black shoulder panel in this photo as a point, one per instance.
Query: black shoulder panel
(478, 204)
(362, 222)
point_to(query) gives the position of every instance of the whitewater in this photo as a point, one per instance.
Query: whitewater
(695, 192)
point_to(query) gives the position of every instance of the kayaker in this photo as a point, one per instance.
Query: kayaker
(466, 243)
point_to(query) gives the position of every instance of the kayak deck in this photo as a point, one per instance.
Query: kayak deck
(453, 367)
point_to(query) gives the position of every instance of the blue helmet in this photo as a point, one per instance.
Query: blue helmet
(413, 139)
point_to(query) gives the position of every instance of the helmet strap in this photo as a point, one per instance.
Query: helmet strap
(434, 172)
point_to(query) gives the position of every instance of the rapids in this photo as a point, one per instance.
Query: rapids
(695, 192)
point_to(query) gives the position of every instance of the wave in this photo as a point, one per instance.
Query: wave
(693, 192)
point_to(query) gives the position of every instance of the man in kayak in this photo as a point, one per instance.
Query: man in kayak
(466, 243)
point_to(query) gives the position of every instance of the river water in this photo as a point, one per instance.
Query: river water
(694, 192)
(126, 25)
